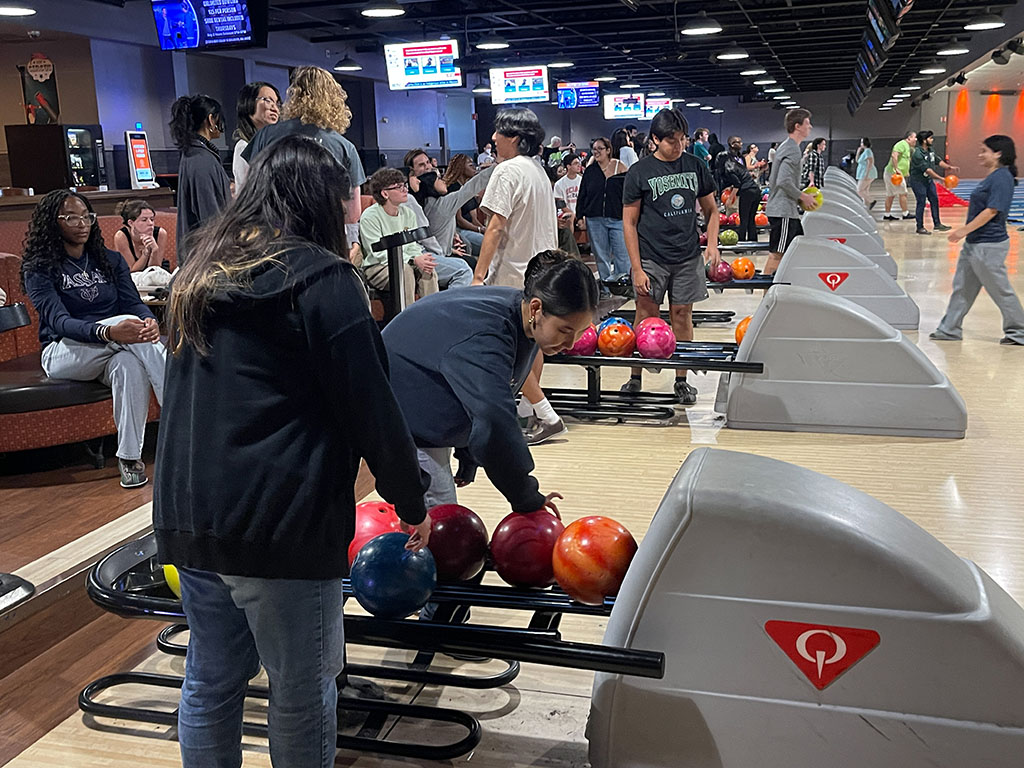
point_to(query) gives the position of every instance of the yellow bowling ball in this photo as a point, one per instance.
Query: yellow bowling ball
(173, 582)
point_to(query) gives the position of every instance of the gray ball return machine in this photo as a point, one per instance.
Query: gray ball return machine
(805, 624)
(835, 225)
(830, 266)
(830, 365)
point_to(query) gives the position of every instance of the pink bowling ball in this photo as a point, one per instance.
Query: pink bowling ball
(586, 344)
(657, 341)
(648, 322)
(722, 273)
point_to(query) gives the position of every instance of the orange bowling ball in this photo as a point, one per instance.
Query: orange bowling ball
(591, 557)
(896, 179)
(951, 181)
(742, 268)
(761, 219)
(617, 340)
(741, 329)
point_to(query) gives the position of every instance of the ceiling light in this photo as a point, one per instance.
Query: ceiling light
(955, 49)
(789, 103)
(732, 53)
(383, 9)
(348, 64)
(766, 81)
(16, 10)
(753, 70)
(629, 85)
(885, 109)
(984, 21)
(492, 43)
(656, 93)
(932, 69)
(560, 65)
(706, 108)
(482, 89)
(774, 90)
(606, 79)
(900, 95)
(717, 111)
(911, 88)
(1001, 57)
(701, 25)
(781, 98)
(1016, 46)
(961, 79)
(692, 104)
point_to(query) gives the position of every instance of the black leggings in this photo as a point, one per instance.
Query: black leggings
(748, 211)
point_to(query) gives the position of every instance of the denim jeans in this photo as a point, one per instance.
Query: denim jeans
(608, 245)
(437, 462)
(453, 272)
(473, 239)
(295, 628)
(924, 191)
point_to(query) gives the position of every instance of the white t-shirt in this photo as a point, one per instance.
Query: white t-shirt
(485, 158)
(628, 156)
(569, 189)
(239, 168)
(771, 155)
(520, 191)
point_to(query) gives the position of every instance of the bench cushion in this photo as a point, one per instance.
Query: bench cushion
(25, 388)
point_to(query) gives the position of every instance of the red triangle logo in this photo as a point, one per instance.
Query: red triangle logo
(822, 652)
(838, 239)
(833, 279)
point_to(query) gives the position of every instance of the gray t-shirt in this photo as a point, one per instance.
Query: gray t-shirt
(784, 183)
(344, 151)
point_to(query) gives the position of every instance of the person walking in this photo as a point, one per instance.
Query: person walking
(982, 262)
(923, 165)
(812, 171)
(599, 210)
(785, 195)
(899, 162)
(866, 171)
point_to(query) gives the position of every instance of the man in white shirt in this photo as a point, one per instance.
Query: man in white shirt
(485, 159)
(567, 188)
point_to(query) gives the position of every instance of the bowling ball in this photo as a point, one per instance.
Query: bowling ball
(372, 519)
(734, 219)
(591, 557)
(723, 219)
(657, 341)
(896, 179)
(389, 580)
(703, 238)
(728, 237)
(612, 320)
(616, 340)
(816, 193)
(722, 273)
(647, 322)
(458, 542)
(585, 344)
(173, 582)
(521, 548)
(951, 181)
(728, 196)
(741, 328)
(707, 269)
(761, 219)
(742, 268)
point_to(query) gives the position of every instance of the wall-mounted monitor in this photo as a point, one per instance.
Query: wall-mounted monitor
(423, 65)
(517, 85)
(900, 8)
(882, 24)
(624, 105)
(211, 23)
(655, 105)
(578, 95)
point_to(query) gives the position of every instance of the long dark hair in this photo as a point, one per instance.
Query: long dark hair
(1007, 152)
(620, 139)
(129, 210)
(188, 115)
(294, 195)
(247, 107)
(44, 246)
(564, 285)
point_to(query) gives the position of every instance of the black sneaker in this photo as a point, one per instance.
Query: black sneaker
(923, 231)
(888, 217)
(1006, 341)
(942, 227)
(686, 394)
(871, 205)
(543, 431)
(909, 216)
(631, 387)
(940, 336)
(133, 473)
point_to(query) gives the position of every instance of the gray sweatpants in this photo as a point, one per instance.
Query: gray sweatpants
(130, 370)
(983, 265)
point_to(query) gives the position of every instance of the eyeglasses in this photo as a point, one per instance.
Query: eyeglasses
(599, 148)
(73, 220)
(395, 187)
(269, 101)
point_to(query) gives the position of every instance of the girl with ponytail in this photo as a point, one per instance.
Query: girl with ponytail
(203, 185)
(458, 358)
(982, 262)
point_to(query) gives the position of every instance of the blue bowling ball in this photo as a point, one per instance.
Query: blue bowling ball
(612, 321)
(390, 581)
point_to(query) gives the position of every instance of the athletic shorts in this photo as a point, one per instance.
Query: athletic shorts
(685, 282)
(783, 230)
(891, 189)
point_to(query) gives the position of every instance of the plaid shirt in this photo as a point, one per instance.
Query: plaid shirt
(813, 163)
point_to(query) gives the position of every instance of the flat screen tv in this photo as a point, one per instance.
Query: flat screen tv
(655, 105)
(423, 65)
(578, 95)
(184, 24)
(624, 105)
(517, 85)
(882, 23)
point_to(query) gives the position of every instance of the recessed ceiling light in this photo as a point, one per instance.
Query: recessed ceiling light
(701, 25)
(932, 69)
(348, 64)
(788, 103)
(781, 98)
(953, 50)
(656, 93)
(383, 9)
(606, 78)
(561, 65)
(717, 111)
(766, 81)
(706, 108)
(885, 109)
(692, 104)
(16, 10)
(629, 85)
(911, 88)
(984, 21)
(753, 70)
(774, 90)
(492, 43)
(732, 53)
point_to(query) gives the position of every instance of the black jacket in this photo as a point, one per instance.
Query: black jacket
(203, 189)
(260, 441)
(458, 359)
(599, 195)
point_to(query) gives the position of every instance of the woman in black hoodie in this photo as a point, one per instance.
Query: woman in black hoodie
(277, 386)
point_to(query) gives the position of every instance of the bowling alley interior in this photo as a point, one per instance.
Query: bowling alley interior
(515, 384)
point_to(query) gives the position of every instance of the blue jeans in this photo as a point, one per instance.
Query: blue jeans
(924, 191)
(473, 239)
(608, 246)
(437, 462)
(296, 629)
(453, 272)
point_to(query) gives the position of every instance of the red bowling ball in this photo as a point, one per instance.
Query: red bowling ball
(373, 518)
(703, 238)
(458, 542)
(657, 341)
(586, 344)
(591, 557)
(521, 548)
(722, 273)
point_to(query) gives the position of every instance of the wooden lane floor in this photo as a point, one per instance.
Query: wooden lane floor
(965, 492)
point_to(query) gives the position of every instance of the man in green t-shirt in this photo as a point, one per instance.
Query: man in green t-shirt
(899, 162)
(924, 171)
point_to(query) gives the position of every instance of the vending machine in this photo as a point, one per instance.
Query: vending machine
(48, 157)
